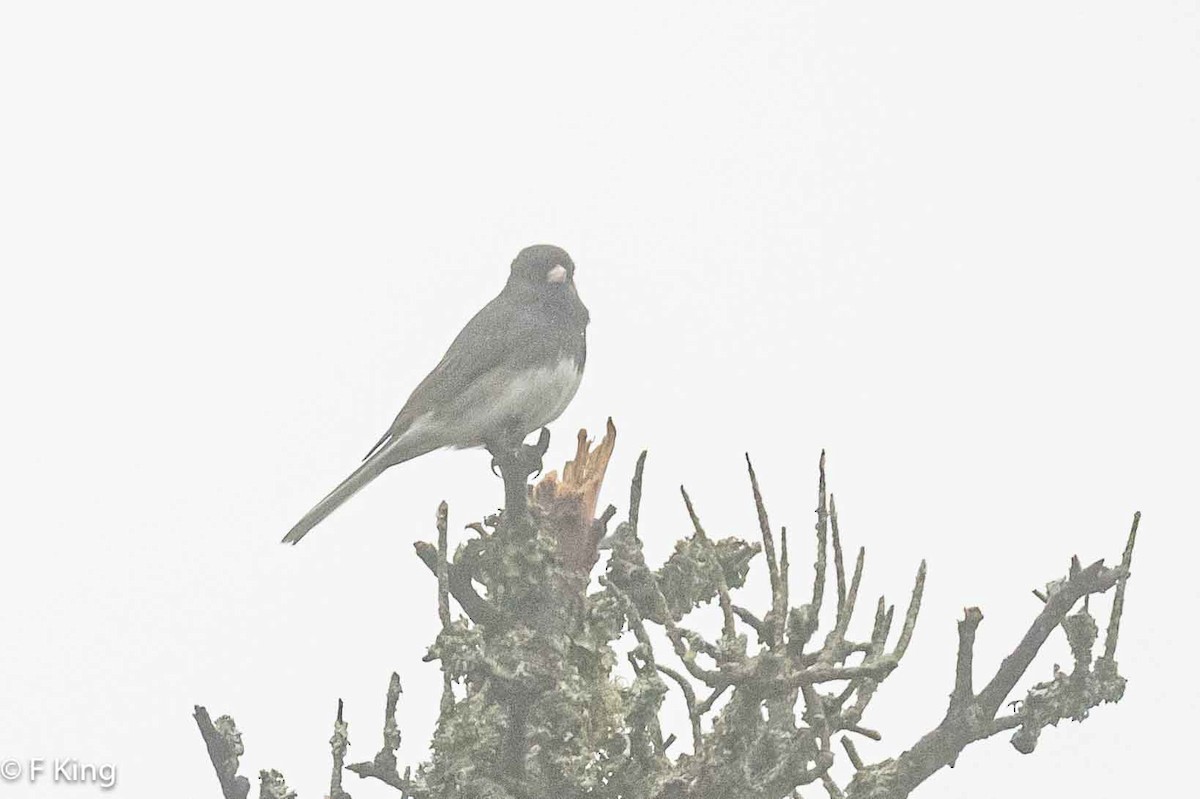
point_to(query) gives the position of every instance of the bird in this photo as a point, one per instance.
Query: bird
(513, 369)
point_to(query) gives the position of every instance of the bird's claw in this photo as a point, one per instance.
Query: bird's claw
(526, 458)
(531, 455)
(543, 442)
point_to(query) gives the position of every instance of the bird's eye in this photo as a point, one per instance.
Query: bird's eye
(557, 275)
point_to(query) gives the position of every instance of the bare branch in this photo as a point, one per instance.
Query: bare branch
(478, 609)
(814, 714)
(819, 674)
(963, 690)
(707, 704)
(852, 753)
(865, 688)
(443, 579)
(645, 651)
(764, 527)
(783, 595)
(338, 745)
(689, 698)
(835, 641)
(685, 650)
(973, 718)
(224, 744)
(727, 631)
(755, 623)
(635, 492)
(1093, 579)
(635, 621)
(910, 618)
(865, 732)
(443, 565)
(1118, 606)
(838, 564)
(822, 538)
(383, 767)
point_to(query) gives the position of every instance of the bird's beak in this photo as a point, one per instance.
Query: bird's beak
(557, 275)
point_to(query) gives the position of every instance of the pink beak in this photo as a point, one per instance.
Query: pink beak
(557, 275)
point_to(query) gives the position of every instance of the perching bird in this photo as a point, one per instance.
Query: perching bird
(513, 369)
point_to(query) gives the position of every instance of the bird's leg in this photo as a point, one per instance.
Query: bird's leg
(515, 461)
(512, 455)
(503, 452)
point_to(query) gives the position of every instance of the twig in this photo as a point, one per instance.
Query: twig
(689, 697)
(338, 744)
(601, 521)
(755, 623)
(817, 718)
(1006, 723)
(707, 704)
(822, 539)
(728, 632)
(820, 674)
(443, 565)
(764, 527)
(852, 753)
(383, 767)
(635, 621)
(635, 492)
(832, 650)
(1118, 606)
(838, 565)
(645, 650)
(478, 609)
(831, 787)
(963, 686)
(784, 593)
(910, 618)
(865, 732)
(443, 579)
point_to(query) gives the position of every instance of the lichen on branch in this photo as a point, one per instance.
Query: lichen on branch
(535, 702)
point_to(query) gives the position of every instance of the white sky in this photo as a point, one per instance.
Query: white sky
(955, 246)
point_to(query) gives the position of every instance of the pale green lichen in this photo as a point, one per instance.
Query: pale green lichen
(533, 706)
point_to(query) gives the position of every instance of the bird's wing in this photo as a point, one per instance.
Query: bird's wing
(494, 337)
(501, 334)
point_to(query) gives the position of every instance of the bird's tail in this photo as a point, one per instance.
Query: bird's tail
(364, 474)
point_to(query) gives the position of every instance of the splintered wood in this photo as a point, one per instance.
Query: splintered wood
(569, 503)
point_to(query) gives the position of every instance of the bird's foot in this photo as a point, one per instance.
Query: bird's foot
(521, 460)
(514, 464)
(529, 456)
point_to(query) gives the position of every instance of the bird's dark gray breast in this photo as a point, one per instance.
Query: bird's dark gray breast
(550, 331)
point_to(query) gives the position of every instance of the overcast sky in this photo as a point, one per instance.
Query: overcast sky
(955, 246)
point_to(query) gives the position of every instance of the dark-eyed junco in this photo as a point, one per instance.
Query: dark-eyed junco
(512, 369)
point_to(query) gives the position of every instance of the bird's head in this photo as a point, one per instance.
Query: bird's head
(543, 267)
(544, 275)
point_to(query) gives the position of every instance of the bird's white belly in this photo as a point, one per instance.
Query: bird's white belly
(496, 406)
(539, 396)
